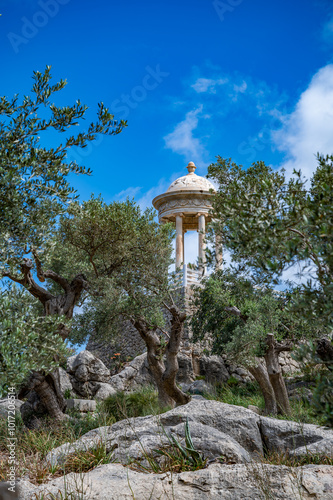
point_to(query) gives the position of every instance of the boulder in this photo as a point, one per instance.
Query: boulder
(104, 391)
(87, 373)
(86, 368)
(185, 373)
(230, 482)
(133, 376)
(82, 405)
(137, 373)
(200, 387)
(235, 430)
(213, 369)
(255, 409)
(63, 380)
(298, 439)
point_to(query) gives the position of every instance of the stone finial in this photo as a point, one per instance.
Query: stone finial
(191, 167)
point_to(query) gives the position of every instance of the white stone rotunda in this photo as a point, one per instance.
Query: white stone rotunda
(187, 203)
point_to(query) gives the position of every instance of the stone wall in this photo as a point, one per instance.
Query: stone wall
(128, 343)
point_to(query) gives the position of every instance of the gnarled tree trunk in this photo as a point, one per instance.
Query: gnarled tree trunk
(47, 387)
(325, 352)
(155, 359)
(172, 349)
(165, 373)
(275, 373)
(260, 374)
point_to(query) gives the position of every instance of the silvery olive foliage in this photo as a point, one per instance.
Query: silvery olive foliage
(34, 185)
(261, 310)
(27, 339)
(269, 223)
(125, 255)
(35, 137)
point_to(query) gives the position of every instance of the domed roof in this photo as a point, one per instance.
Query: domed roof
(191, 182)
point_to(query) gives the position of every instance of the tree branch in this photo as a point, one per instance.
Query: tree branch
(49, 274)
(313, 255)
(29, 283)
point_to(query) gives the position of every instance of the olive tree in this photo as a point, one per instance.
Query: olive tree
(127, 255)
(34, 191)
(29, 342)
(270, 223)
(252, 326)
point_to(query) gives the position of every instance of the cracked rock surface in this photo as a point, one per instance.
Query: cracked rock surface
(231, 437)
(230, 482)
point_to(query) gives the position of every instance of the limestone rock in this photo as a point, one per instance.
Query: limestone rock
(200, 387)
(213, 368)
(255, 409)
(4, 406)
(63, 380)
(185, 373)
(86, 367)
(235, 430)
(230, 482)
(297, 438)
(86, 373)
(133, 376)
(104, 391)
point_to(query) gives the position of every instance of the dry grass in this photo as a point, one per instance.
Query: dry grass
(284, 458)
(32, 446)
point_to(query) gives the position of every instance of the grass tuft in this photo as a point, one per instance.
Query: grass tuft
(134, 404)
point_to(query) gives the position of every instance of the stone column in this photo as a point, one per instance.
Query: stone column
(202, 244)
(218, 252)
(179, 241)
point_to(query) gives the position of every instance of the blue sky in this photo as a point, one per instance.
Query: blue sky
(247, 79)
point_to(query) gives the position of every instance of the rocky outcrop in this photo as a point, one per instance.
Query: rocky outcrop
(87, 377)
(63, 380)
(231, 438)
(87, 374)
(133, 376)
(217, 429)
(235, 430)
(213, 369)
(230, 482)
(294, 438)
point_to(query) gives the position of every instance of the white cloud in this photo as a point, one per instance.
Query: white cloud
(208, 85)
(309, 128)
(130, 192)
(182, 140)
(240, 88)
(146, 198)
